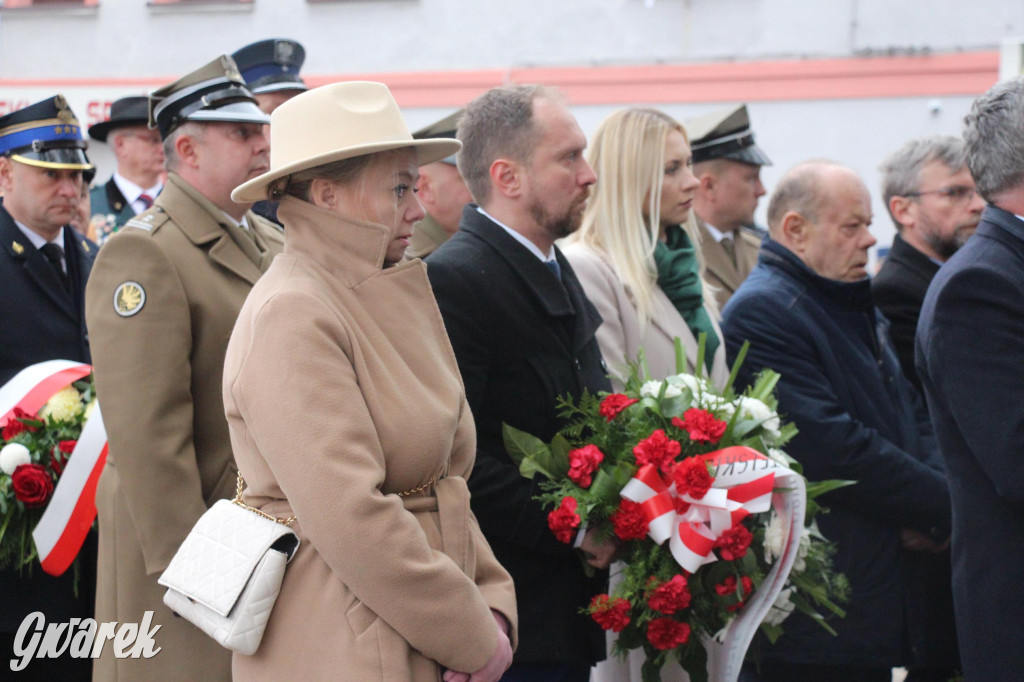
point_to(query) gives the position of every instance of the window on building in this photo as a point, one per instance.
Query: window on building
(19, 4)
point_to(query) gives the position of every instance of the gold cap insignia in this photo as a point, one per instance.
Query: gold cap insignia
(129, 298)
(64, 111)
(18, 248)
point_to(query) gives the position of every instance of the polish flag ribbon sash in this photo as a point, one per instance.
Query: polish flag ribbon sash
(743, 483)
(72, 508)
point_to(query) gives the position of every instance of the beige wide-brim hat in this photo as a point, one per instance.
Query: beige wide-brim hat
(333, 123)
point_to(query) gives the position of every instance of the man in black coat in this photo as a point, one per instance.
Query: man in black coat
(969, 346)
(933, 203)
(524, 334)
(44, 265)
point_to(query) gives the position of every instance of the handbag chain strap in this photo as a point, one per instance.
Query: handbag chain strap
(239, 487)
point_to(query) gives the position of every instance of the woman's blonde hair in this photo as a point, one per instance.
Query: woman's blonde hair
(628, 155)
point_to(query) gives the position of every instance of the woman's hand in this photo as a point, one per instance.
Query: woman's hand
(498, 663)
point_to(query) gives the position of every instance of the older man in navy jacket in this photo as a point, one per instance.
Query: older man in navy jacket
(807, 311)
(969, 346)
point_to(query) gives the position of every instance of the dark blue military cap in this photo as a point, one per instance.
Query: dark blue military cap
(44, 134)
(271, 65)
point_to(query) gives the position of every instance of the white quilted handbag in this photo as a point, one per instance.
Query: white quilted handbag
(226, 575)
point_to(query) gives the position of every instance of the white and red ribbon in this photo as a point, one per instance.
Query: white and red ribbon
(72, 507)
(743, 484)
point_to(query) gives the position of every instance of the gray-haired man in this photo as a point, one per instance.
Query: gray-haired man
(933, 203)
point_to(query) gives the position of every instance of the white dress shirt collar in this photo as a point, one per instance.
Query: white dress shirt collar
(531, 247)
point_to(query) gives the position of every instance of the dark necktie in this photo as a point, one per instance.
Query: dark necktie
(730, 247)
(54, 254)
(554, 268)
(146, 200)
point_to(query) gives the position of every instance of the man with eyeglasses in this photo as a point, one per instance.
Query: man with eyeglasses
(933, 203)
(140, 166)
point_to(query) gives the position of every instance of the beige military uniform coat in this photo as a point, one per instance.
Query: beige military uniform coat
(346, 408)
(426, 237)
(724, 275)
(159, 363)
(620, 336)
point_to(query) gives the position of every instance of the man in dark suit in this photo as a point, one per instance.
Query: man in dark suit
(140, 166)
(43, 268)
(969, 345)
(524, 334)
(933, 203)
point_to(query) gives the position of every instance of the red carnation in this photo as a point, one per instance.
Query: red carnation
(728, 587)
(657, 449)
(733, 543)
(608, 613)
(671, 596)
(629, 521)
(702, 426)
(666, 633)
(613, 404)
(32, 485)
(564, 520)
(692, 478)
(59, 455)
(15, 426)
(583, 462)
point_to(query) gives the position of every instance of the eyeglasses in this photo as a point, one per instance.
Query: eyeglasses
(957, 194)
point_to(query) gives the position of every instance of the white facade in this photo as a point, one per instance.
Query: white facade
(120, 47)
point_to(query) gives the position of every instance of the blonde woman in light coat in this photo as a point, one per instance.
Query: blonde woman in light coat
(346, 409)
(635, 256)
(639, 215)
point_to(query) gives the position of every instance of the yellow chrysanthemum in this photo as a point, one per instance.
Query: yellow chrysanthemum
(65, 405)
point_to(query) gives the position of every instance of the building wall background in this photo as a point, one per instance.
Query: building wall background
(120, 47)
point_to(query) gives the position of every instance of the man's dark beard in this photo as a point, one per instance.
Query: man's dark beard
(945, 247)
(557, 226)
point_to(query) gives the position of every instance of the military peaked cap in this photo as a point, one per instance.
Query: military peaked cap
(212, 93)
(44, 134)
(725, 134)
(271, 65)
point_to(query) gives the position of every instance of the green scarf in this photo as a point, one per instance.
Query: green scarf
(679, 278)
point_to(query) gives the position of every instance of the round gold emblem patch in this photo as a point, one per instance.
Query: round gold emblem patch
(129, 298)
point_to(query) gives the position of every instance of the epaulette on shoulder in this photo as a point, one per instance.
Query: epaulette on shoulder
(150, 221)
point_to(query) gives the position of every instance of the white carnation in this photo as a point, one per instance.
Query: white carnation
(12, 456)
(752, 408)
(696, 386)
(800, 565)
(778, 456)
(651, 389)
(781, 609)
(774, 539)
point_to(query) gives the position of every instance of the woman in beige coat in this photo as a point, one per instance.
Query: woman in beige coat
(635, 256)
(346, 409)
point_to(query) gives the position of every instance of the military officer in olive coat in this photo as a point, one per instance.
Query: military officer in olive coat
(728, 165)
(163, 298)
